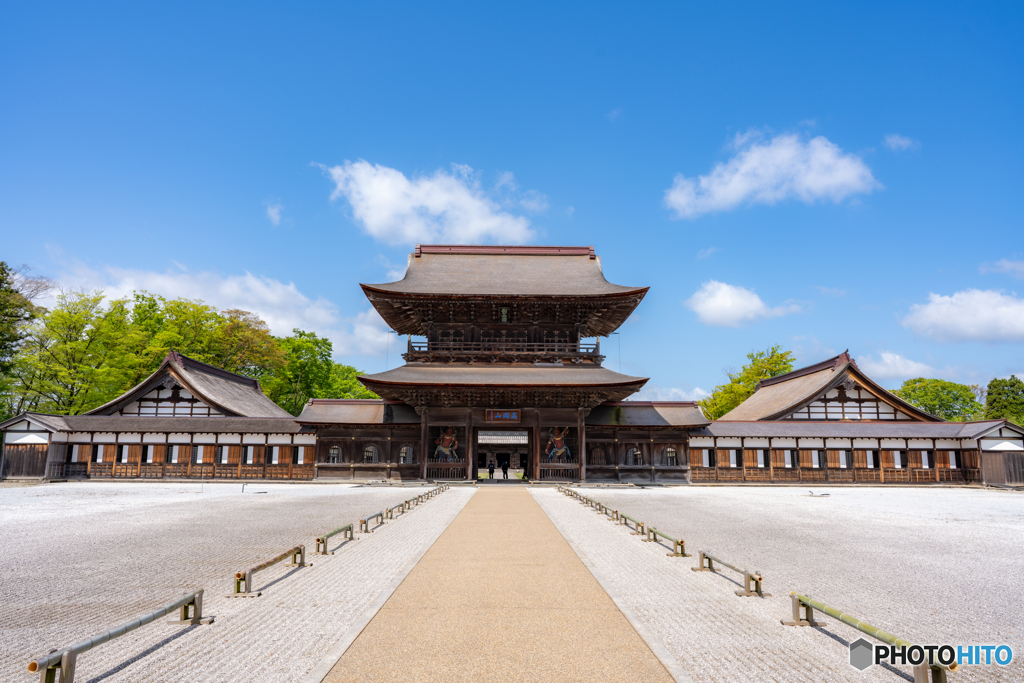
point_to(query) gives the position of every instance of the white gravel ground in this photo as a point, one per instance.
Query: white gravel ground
(79, 558)
(929, 565)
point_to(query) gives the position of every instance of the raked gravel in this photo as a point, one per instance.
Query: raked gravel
(939, 565)
(80, 558)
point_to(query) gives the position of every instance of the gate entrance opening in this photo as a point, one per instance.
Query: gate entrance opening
(509, 447)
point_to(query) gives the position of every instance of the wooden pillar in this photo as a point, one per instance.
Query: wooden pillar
(581, 429)
(535, 460)
(391, 434)
(743, 454)
(470, 450)
(424, 442)
(771, 461)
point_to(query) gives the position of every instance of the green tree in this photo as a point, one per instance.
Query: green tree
(1005, 399)
(64, 364)
(345, 385)
(761, 365)
(948, 400)
(15, 312)
(305, 374)
(86, 352)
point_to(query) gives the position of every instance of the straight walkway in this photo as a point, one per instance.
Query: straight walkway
(500, 596)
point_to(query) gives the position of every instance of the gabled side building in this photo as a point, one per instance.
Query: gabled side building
(829, 422)
(187, 419)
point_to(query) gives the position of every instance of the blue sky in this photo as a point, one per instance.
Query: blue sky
(824, 176)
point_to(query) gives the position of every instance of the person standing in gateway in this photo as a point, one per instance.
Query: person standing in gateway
(490, 470)
(504, 468)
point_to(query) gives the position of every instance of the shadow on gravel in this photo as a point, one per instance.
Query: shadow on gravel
(145, 653)
(343, 544)
(260, 589)
(846, 643)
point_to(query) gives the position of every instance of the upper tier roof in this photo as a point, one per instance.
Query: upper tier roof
(478, 271)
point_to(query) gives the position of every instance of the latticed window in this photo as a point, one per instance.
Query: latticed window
(370, 454)
(634, 457)
(670, 457)
(406, 456)
(334, 454)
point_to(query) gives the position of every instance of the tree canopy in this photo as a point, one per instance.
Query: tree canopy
(948, 400)
(87, 351)
(1005, 399)
(761, 365)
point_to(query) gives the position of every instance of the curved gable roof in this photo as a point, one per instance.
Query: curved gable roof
(232, 394)
(783, 395)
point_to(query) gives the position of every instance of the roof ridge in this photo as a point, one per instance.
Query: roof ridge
(829, 364)
(542, 250)
(186, 362)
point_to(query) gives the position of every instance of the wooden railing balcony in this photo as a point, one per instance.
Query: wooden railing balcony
(499, 349)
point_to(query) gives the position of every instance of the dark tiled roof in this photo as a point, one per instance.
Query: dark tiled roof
(234, 394)
(119, 423)
(890, 429)
(505, 271)
(356, 411)
(218, 425)
(782, 395)
(500, 375)
(647, 414)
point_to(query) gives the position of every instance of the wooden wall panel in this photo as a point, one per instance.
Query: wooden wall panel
(234, 455)
(779, 458)
(969, 459)
(860, 459)
(109, 453)
(749, 457)
(134, 453)
(887, 458)
(805, 458)
(913, 459)
(942, 460)
(832, 458)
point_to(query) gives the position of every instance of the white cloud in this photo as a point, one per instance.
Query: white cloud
(893, 366)
(1014, 268)
(970, 315)
(767, 172)
(717, 303)
(899, 143)
(441, 208)
(655, 393)
(704, 253)
(274, 213)
(614, 114)
(281, 305)
(831, 291)
(534, 202)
